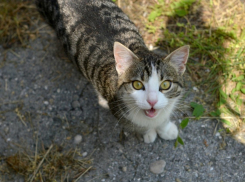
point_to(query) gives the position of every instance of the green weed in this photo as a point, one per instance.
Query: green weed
(198, 111)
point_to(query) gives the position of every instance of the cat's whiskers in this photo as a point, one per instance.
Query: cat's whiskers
(121, 108)
(121, 104)
(123, 115)
(134, 117)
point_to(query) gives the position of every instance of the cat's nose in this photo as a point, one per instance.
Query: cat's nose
(152, 102)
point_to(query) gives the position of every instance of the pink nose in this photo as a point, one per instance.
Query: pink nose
(152, 102)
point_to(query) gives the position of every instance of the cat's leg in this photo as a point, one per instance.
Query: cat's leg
(150, 136)
(168, 131)
(102, 101)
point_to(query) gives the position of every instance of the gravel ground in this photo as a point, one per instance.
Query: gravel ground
(59, 106)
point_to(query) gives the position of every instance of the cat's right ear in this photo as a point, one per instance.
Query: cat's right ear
(179, 58)
(123, 56)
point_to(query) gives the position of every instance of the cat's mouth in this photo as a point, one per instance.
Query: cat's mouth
(151, 112)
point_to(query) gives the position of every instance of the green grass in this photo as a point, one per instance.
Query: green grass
(217, 57)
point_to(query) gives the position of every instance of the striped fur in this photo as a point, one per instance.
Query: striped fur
(88, 30)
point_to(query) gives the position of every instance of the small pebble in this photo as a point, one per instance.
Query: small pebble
(196, 89)
(217, 134)
(177, 180)
(77, 139)
(84, 154)
(6, 130)
(157, 167)
(124, 169)
(75, 97)
(46, 102)
(75, 104)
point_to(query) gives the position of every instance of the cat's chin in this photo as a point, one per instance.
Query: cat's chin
(151, 113)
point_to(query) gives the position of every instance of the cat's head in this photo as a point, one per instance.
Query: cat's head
(150, 86)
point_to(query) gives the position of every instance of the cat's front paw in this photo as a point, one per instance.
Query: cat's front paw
(102, 102)
(168, 132)
(150, 136)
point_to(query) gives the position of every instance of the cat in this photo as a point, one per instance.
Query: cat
(140, 87)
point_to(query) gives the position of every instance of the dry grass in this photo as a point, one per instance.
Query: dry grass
(16, 20)
(48, 165)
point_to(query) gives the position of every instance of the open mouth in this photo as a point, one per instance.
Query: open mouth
(151, 113)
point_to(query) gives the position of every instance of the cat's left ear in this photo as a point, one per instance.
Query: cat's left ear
(123, 56)
(178, 58)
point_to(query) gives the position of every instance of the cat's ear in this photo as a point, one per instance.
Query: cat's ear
(178, 58)
(123, 56)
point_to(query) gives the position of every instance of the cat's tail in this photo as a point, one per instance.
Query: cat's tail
(49, 9)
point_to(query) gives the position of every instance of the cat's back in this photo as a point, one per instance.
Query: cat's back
(88, 30)
(101, 19)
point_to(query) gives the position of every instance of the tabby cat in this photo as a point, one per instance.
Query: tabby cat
(141, 87)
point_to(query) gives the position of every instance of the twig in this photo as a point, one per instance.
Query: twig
(39, 165)
(216, 128)
(14, 53)
(35, 160)
(44, 57)
(206, 117)
(83, 174)
(6, 85)
(19, 115)
(12, 102)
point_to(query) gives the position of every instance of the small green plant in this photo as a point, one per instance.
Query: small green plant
(198, 111)
(183, 124)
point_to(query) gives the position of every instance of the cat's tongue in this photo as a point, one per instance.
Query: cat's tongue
(150, 112)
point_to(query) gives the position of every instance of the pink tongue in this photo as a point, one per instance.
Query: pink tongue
(150, 113)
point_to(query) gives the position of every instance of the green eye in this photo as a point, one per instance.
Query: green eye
(138, 85)
(165, 85)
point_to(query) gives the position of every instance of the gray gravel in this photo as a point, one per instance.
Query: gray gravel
(56, 103)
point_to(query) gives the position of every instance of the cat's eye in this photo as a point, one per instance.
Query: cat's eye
(165, 85)
(138, 85)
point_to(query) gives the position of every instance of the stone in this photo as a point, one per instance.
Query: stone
(84, 154)
(78, 139)
(177, 180)
(124, 169)
(75, 97)
(75, 104)
(157, 167)
(6, 130)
